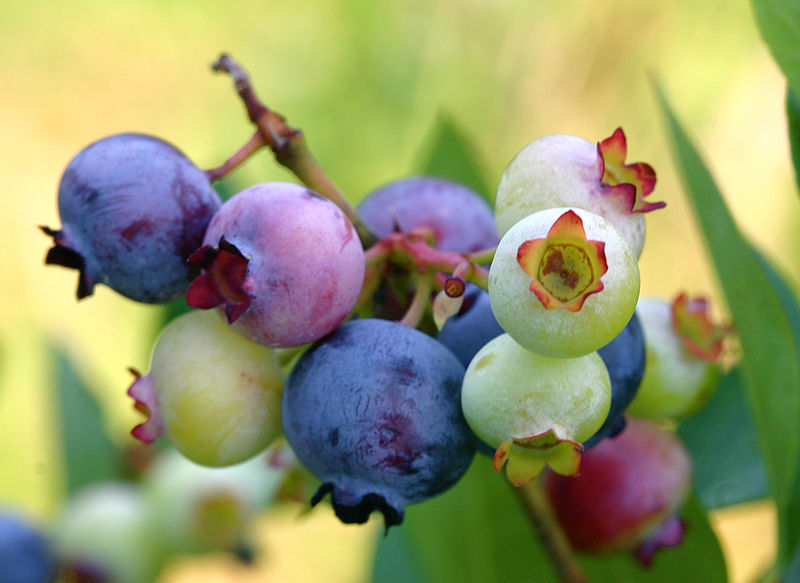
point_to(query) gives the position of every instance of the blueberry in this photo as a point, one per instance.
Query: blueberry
(373, 410)
(133, 208)
(474, 325)
(624, 358)
(24, 552)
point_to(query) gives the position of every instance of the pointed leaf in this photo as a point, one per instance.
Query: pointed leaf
(721, 439)
(449, 154)
(769, 366)
(89, 455)
(793, 120)
(779, 23)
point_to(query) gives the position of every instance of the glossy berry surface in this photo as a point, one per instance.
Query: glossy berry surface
(624, 358)
(373, 410)
(283, 264)
(568, 171)
(460, 219)
(133, 208)
(563, 282)
(629, 488)
(536, 410)
(211, 393)
(25, 555)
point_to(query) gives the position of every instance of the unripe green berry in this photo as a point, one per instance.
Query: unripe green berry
(563, 282)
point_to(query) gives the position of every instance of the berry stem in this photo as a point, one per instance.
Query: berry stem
(289, 145)
(555, 543)
(423, 286)
(255, 143)
(483, 257)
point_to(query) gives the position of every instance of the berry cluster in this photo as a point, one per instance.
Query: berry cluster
(390, 342)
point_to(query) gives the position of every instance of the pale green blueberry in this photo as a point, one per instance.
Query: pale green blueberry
(582, 321)
(535, 409)
(196, 508)
(105, 527)
(212, 393)
(563, 170)
(676, 383)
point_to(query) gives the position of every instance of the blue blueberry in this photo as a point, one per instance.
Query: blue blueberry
(24, 552)
(133, 208)
(625, 359)
(374, 411)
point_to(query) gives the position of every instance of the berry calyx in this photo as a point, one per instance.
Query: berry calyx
(282, 263)
(618, 177)
(566, 267)
(534, 409)
(569, 171)
(683, 353)
(556, 258)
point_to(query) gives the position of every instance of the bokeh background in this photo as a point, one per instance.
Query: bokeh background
(365, 80)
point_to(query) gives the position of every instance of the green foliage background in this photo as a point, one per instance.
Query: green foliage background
(367, 81)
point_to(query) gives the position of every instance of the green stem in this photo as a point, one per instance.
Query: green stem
(533, 500)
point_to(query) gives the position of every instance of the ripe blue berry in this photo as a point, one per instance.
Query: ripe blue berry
(460, 219)
(133, 208)
(373, 410)
(24, 552)
(624, 358)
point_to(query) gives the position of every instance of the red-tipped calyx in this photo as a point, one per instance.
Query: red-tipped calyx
(143, 392)
(630, 183)
(565, 266)
(697, 332)
(222, 281)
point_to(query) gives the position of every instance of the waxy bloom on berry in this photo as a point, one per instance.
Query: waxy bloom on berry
(683, 350)
(565, 258)
(569, 171)
(565, 266)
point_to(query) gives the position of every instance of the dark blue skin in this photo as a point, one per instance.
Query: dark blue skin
(24, 553)
(624, 357)
(133, 208)
(374, 411)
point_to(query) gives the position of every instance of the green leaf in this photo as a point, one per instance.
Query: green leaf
(722, 442)
(449, 154)
(473, 533)
(477, 532)
(779, 23)
(769, 367)
(793, 120)
(89, 455)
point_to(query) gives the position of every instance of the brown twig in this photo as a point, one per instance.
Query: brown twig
(288, 145)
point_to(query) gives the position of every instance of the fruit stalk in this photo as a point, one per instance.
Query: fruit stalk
(553, 539)
(289, 145)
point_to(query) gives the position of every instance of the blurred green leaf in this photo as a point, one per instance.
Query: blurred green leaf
(473, 533)
(734, 473)
(449, 154)
(769, 368)
(476, 532)
(89, 455)
(779, 23)
(793, 120)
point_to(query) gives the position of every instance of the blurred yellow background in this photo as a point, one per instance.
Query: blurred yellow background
(365, 80)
